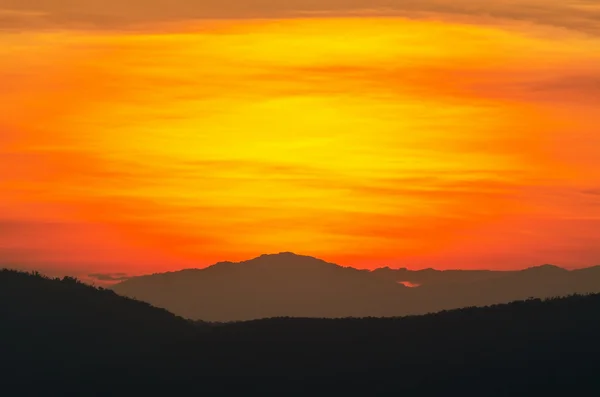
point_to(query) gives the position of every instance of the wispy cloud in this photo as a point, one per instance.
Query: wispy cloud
(109, 276)
(581, 16)
(593, 192)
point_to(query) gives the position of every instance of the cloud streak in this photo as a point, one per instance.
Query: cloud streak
(109, 276)
(580, 16)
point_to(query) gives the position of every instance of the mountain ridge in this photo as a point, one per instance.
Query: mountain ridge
(288, 284)
(288, 254)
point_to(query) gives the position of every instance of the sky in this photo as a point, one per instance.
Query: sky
(147, 136)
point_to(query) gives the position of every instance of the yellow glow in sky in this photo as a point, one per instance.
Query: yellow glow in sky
(363, 141)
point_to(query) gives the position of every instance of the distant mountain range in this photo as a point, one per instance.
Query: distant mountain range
(287, 284)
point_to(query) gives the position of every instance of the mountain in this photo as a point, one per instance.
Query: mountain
(433, 276)
(544, 281)
(60, 337)
(284, 284)
(287, 284)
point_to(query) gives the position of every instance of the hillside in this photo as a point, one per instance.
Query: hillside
(63, 336)
(63, 322)
(286, 284)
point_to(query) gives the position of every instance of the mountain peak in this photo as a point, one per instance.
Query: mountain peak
(545, 268)
(285, 259)
(277, 261)
(284, 254)
(276, 257)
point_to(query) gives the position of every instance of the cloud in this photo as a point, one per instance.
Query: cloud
(592, 192)
(569, 87)
(109, 276)
(85, 246)
(582, 16)
(13, 227)
(546, 80)
(15, 19)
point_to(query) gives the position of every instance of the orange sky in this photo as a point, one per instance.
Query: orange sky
(417, 138)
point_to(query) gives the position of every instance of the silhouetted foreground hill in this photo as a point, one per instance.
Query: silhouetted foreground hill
(286, 284)
(59, 330)
(63, 322)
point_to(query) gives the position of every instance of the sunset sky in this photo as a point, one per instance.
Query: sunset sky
(145, 136)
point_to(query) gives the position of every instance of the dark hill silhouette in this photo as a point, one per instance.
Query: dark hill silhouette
(66, 338)
(64, 321)
(286, 284)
